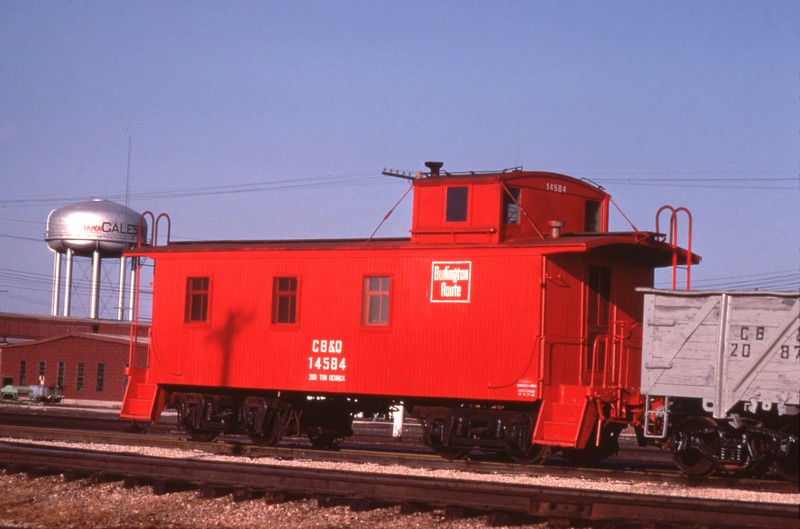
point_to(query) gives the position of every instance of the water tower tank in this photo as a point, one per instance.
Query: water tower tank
(94, 225)
(98, 229)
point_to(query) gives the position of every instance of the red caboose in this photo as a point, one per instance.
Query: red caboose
(509, 321)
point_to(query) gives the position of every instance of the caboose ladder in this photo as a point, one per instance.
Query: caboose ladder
(566, 417)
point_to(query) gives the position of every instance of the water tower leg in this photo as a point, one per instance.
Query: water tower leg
(68, 282)
(121, 303)
(95, 299)
(132, 293)
(56, 284)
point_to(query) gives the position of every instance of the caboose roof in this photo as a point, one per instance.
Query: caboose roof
(508, 210)
(650, 246)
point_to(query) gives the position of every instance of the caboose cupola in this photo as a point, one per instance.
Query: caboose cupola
(503, 206)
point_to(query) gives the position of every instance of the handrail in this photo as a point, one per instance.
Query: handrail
(142, 225)
(595, 357)
(141, 241)
(673, 242)
(521, 209)
(155, 228)
(154, 223)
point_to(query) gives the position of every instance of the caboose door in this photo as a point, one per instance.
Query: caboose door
(599, 345)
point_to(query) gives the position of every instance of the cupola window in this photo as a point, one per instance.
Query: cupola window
(457, 198)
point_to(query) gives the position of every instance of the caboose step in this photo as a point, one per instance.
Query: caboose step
(138, 401)
(558, 433)
(143, 391)
(136, 409)
(560, 412)
(563, 420)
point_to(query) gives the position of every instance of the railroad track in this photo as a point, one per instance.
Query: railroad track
(373, 444)
(362, 488)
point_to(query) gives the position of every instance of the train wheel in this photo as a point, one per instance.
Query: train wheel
(327, 422)
(591, 456)
(534, 456)
(789, 467)
(203, 436)
(758, 470)
(760, 450)
(691, 460)
(274, 429)
(324, 440)
(452, 454)
(264, 439)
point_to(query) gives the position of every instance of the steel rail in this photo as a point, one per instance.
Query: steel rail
(411, 457)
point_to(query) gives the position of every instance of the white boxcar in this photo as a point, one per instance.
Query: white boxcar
(725, 348)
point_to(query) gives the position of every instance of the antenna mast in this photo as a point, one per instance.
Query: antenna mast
(128, 172)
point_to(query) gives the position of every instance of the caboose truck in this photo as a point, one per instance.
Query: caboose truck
(508, 322)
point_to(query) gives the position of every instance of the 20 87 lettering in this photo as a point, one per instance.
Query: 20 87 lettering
(743, 349)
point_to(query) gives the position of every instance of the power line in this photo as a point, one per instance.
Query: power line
(194, 191)
(20, 237)
(788, 280)
(641, 178)
(762, 274)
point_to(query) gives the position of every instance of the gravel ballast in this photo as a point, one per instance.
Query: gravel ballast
(49, 502)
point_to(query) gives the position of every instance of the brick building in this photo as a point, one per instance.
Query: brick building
(88, 366)
(15, 327)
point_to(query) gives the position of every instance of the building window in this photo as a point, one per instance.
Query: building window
(375, 310)
(511, 205)
(101, 373)
(79, 378)
(23, 372)
(42, 370)
(60, 379)
(196, 299)
(284, 300)
(456, 210)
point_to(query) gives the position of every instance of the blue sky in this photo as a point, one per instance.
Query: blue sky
(262, 120)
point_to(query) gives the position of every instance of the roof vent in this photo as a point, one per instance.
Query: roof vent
(435, 167)
(555, 228)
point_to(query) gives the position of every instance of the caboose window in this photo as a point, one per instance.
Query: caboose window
(196, 299)
(591, 222)
(375, 309)
(511, 205)
(284, 300)
(456, 210)
(23, 368)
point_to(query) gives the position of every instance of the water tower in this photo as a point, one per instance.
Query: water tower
(98, 229)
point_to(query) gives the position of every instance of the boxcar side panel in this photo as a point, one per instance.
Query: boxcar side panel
(724, 348)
